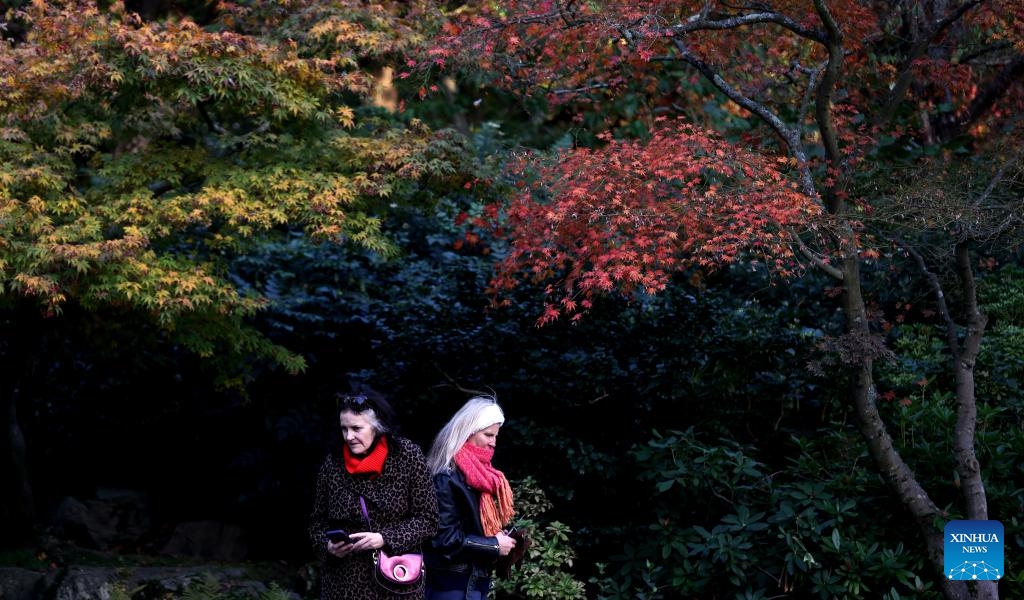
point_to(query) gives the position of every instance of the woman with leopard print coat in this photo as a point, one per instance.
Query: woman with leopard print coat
(389, 474)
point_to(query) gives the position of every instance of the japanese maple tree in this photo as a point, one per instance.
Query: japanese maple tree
(772, 133)
(139, 156)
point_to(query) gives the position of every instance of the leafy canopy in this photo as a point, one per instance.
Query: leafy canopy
(822, 91)
(136, 157)
(630, 214)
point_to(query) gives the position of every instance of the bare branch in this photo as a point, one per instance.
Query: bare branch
(918, 50)
(814, 258)
(701, 23)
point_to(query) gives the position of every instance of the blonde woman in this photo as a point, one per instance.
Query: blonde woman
(474, 504)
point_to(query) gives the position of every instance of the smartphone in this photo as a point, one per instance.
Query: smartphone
(338, 535)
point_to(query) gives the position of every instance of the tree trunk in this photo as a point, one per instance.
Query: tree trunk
(17, 513)
(964, 357)
(898, 474)
(20, 343)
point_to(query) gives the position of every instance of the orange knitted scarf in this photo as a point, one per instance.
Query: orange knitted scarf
(496, 508)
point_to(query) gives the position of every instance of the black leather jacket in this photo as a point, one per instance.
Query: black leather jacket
(460, 545)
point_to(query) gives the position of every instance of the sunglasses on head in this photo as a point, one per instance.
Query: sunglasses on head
(354, 402)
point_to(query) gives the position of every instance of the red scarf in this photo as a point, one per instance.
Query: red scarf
(372, 462)
(495, 493)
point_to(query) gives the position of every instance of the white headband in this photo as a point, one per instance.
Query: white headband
(490, 415)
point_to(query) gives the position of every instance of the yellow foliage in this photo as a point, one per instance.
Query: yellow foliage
(131, 148)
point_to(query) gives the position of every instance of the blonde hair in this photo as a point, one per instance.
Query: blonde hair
(479, 412)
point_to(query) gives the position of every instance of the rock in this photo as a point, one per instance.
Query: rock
(101, 583)
(23, 584)
(208, 540)
(112, 518)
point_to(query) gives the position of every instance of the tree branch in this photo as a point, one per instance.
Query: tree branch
(919, 48)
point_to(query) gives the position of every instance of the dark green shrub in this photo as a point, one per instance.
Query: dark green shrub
(546, 570)
(725, 525)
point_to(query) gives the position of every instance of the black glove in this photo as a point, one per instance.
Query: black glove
(503, 567)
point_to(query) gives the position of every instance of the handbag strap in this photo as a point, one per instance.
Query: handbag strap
(369, 527)
(366, 515)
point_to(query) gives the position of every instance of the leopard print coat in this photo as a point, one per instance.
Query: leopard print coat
(402, 506)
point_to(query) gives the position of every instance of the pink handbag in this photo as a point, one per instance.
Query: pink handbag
(401, 568)
(398, 574)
